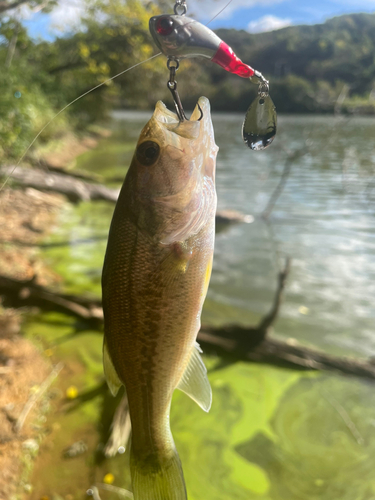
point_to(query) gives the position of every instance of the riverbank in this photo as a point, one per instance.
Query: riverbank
(26, 218)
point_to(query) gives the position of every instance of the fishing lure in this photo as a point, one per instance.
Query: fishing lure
(179, 37)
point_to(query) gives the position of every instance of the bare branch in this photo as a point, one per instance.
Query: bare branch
(35, 397)
(4, 5)
(291, 158)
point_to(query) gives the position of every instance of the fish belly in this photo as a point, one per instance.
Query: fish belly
(152, 300)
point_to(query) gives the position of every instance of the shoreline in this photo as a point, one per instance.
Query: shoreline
(27, 216)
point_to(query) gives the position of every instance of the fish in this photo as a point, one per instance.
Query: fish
(155, 278)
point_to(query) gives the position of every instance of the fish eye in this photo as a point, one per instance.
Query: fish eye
(164, 26)
(148, 152)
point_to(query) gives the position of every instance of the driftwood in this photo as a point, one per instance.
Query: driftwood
(233, 342)
(34, 398)
(247, 343)
(76, 189)
(19, 293)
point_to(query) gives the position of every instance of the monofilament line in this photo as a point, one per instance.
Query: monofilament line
(67, 106)
(220, 11)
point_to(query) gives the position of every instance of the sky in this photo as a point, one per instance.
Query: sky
(254, 16)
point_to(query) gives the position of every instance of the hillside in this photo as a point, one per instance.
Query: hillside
(309, 67)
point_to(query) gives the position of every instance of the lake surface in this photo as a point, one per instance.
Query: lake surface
(272, 434)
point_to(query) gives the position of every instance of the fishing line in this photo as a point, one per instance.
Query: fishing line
(67, 106)
(83, 95)
(220, 11)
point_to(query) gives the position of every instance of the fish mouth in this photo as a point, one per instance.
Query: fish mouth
(189, 129)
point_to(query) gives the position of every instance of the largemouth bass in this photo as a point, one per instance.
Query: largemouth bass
(155, 278)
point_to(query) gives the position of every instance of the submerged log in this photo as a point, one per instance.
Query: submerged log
(22, 293)
(238, 342)
(232, 342)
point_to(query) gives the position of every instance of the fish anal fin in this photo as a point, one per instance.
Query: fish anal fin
(194, 381)
(113, 381)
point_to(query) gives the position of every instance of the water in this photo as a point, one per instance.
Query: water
(272, 434)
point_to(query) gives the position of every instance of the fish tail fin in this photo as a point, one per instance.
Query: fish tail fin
(157, 477)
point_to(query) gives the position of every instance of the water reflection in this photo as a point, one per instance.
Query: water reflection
(272, 433)
(322, 444)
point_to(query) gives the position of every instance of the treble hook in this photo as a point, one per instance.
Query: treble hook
(172, 85)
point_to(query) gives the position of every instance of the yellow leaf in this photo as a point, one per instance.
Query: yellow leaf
(71, 392)
(108, 478)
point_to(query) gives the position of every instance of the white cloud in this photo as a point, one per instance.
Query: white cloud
(268, 23)
(67, 15)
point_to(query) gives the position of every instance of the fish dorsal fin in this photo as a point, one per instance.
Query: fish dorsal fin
(194, 381)
(110, 373)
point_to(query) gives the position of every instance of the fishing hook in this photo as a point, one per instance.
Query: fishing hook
(201, 110)
(172, 85)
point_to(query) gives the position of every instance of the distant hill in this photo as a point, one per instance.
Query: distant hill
(310, 68)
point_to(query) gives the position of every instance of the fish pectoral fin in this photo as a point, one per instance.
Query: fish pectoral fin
(113, 381)
(194, 381)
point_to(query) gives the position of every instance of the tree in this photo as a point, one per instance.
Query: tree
(45, 5)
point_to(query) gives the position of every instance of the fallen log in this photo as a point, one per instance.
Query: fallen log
(27, 293)
(73, 188)
(76, 189)
(239, 343)
(232, 342)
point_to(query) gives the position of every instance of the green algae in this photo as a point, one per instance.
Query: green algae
(272, 433)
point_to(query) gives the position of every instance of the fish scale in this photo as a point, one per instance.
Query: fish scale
(155, 278)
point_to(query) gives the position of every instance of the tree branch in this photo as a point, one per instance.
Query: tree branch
(239, 342)
(291, 158)
(4, 5)
(76, 189)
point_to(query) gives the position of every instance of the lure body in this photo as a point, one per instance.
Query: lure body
(181, 37)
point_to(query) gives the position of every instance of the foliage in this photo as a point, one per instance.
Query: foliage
(9, 5)
(24, 106)
(41, 78)
(307, 65)
(310, 68)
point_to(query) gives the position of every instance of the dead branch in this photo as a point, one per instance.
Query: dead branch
(36, 397)
(246, 343)
(77, 189)
(287, 353)
(73, 188)
(291, 158)
(121, 492)
(5, 5)
(22, 293)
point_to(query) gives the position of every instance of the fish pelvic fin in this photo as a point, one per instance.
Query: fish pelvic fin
(157, 477)
(194, 381)
(113, 381)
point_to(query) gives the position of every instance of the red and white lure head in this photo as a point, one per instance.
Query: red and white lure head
(179, 37)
